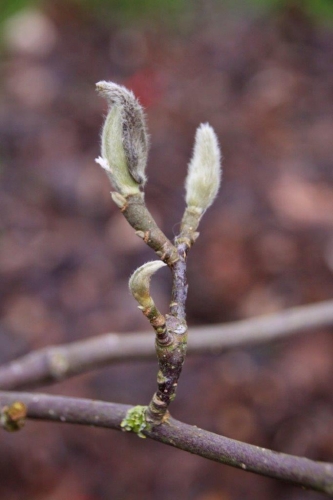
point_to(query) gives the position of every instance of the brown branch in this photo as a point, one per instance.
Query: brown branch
(171, 355)
(138, 216)
(300, 471)
(179, 286)
(171, 331)
(55, 363)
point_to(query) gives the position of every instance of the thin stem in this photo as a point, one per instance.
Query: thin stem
(55, 363)
(171, 355)
(179, 285)
(300, 471)
(138, 216)
(189, 225)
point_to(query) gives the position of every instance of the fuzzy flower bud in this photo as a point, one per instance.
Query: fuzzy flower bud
(204, 170)
(124, 139)
(140, 280)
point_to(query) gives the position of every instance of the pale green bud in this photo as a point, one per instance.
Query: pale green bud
(135, 420)
(204, 170)
(124, 139)
(140, 280)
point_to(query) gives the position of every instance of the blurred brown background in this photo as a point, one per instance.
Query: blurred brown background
(262, 76)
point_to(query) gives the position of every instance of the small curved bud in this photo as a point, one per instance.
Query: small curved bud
(204, 170)
(124, 139)
(140, 280)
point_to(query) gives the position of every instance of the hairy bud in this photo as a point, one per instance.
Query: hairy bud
(140, 280)
(124, 139)
(204, 170)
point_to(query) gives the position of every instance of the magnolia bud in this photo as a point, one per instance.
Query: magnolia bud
(204, 170)
(140, 280)
(124, 139)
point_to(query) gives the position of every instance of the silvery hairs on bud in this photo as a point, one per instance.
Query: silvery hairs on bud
(124, 138)
(204, 170)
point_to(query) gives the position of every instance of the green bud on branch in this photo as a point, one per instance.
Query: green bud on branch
(124, 139)
(139, 283)
(12, 418)
(135, 420)
(204, 170)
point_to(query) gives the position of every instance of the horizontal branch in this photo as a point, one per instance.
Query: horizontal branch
(300, 471)
(55, 363)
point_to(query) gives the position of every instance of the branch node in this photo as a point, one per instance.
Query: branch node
(135, 421)
(119, 200)
(12, 418)
(58, 363)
